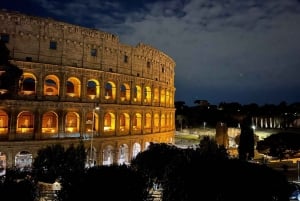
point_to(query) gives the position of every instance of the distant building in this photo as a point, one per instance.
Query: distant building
(222, 134)
(203, 103)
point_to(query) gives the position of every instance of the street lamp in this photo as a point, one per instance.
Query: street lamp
(298, 169)
(92, 136)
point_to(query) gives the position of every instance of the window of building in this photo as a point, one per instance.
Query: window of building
(93, 52)
(163, 69)
(109, 91)
(53, 45)
(148, 64)
(70, 87)
(91, 88)
(4, 38)
(125, 58)
(28, 58)
(28, 84)
(123, 92)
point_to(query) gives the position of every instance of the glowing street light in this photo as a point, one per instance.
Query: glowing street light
(92, 136)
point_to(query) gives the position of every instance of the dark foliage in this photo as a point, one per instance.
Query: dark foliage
(206, 173)
(11, 76)
(49, 163)
(247, 140)
(109, 182)
(4, 53)
(280, 145)
(17, 185)
(202, 173)
(210, 150)
(55, 162)
(223, 180)
(153, 162)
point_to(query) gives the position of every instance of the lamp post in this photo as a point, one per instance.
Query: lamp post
(92, 136)
(298, 169)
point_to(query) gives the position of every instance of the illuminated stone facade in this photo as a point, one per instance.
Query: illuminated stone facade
(83, 84)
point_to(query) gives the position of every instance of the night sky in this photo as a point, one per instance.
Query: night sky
(245, 51)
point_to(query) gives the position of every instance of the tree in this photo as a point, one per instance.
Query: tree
(209, 149)
(9, 74)
(153, 162)
(221, 179)
(281, 145)
(55, 163)
(247, 140)
(18, 185)
(114, 182)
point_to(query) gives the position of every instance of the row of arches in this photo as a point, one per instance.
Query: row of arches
(109, 155)
(92, 89)
(94, 121)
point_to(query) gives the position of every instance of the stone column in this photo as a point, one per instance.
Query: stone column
(61, 122)
(84, 83)
(12, 122)
(117, 122)
(38, 121)
(82, 126)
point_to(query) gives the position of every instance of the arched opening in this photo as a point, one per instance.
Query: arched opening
(49, 123)
(108, 157)
(25, 122)
(28, 84)
(123, 154)
(23, 160)
(93, 89)
(110, 91)
(51, 85)
(109, 122)
(3, 122)
(73, 87)
(72, 122)
(147, 94)
(124, 122)
(136, 149)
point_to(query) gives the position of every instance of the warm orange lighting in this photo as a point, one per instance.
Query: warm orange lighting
(69, 129)
(3, 130)
(24, 130)
(28, 92)
(92, 96)
(71, 94)
(89, 122)
(3, 91)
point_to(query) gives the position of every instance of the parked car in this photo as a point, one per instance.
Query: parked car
(294, 190)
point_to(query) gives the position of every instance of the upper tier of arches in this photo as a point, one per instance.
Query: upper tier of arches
(92, 86)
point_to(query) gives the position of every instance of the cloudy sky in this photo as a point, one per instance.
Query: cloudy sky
(225, 50)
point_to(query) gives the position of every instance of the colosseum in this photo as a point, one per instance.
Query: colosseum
(82, 85)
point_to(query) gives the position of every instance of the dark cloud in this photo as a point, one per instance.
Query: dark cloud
(239, 51)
